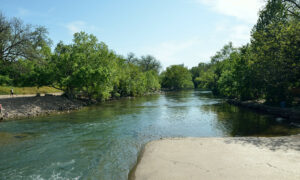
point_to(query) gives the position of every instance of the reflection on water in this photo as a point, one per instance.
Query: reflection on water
(103, 141)
(236, 121)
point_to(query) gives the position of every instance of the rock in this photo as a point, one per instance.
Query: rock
(33, 106)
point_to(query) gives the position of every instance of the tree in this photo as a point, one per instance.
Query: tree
(149, 63)
(277, 11)
(20, 41)
(209, 74)
(131, 58)
(146, 63)
(23, 49)
(238, 80)
(84, 67)
(273, 12)
(199, 72)
(223, 54)
(177, 77)
(89, 69)
(277, 59)
(267, 68)
(293, 8)
(275, 46)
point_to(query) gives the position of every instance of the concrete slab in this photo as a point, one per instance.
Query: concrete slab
(220, 158)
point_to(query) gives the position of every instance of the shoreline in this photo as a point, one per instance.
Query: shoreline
(27, 106)
(32, 106)
(289, 113)
(209, 158)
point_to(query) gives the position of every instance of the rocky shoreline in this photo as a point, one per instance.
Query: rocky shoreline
(289, 113)
(24, 107)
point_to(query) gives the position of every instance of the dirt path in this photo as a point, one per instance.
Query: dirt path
(26, 95)
(220, 158)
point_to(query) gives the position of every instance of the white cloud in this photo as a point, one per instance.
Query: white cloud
(239, 34)
(245, 10)
(77, 26)
(194, 50)
(23, 12)
(188, 52)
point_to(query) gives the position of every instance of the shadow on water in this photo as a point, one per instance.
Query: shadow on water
(273, 144)
(237, 121)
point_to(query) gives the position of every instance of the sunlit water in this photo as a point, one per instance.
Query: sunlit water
(103, 141)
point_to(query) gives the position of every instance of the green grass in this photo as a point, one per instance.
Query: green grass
(5, 90)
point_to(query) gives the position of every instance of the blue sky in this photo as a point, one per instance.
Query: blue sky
(174, 31)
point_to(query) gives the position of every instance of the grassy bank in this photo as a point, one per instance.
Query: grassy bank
(5, 90)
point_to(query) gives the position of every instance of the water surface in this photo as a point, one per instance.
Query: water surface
(103, 141)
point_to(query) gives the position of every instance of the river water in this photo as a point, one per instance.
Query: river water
(103, 141)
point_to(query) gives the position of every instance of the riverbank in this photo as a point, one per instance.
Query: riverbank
(290, 113)
(31, 106)
(220, 158)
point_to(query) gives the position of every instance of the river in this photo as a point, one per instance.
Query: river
(103, 141)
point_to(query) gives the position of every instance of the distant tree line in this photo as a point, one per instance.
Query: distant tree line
(176, 77)
(267, 68)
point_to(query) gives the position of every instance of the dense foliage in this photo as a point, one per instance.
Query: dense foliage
(85, 68)
(267, 68)
(22, 49)
(176, 77)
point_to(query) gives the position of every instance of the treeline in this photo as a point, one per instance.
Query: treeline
(85, 68)
(267, 68)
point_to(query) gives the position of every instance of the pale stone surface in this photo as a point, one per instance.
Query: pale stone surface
(220, 158)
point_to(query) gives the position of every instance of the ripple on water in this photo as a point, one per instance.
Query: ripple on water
(103, 142)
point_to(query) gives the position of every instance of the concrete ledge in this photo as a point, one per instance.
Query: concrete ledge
(220, 158)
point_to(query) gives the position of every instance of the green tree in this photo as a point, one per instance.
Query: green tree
(84, 67)
(220, 62)
(149, 63)
(177, 77)
(20, 41)
(19, 44)
(275, 44)
(274, 12)
(277, 59)
(268, 67)
(198, 75)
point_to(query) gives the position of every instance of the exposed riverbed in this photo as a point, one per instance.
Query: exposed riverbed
(30, 106)
(103, 141)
